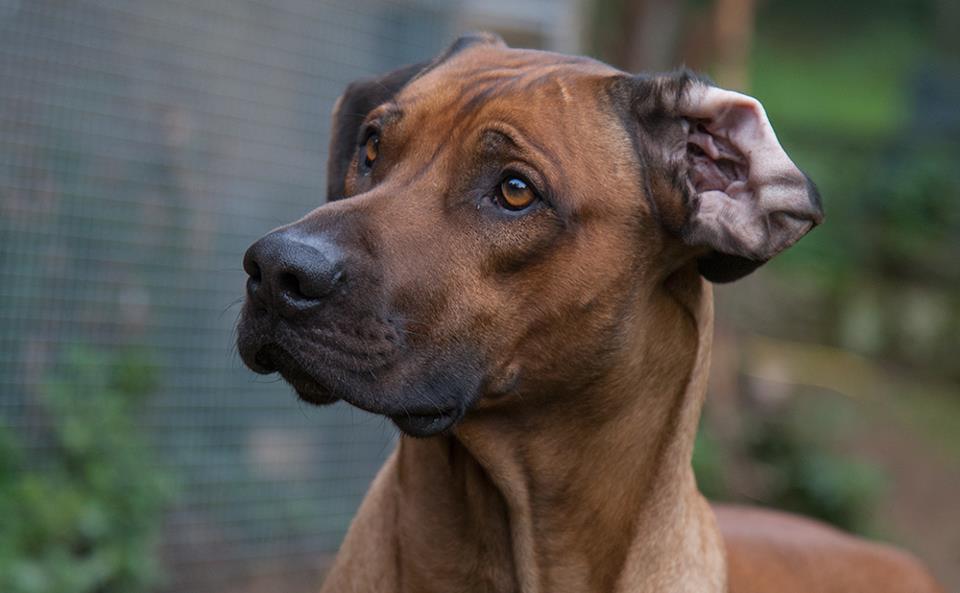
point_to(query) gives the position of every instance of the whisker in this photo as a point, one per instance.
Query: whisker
(234, 303)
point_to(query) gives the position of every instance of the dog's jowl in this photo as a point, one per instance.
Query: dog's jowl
(514, 265)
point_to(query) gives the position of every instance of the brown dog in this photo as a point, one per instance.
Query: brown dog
(512, 267)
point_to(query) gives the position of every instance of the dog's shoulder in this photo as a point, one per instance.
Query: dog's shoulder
(771, 551)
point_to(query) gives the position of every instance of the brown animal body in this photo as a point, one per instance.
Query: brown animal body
(514, 267)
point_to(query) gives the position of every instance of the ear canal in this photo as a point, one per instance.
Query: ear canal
(744, 200)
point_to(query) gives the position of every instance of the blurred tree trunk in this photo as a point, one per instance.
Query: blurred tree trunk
(948, 18)
(651, 36)
(657, 35)
(733, 22)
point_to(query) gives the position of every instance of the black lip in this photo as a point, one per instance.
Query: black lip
(310, 391)
(273, 358)
(426, 425)
(405, 408)
(261, 363)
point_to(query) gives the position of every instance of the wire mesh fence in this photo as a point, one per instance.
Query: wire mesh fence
(143, 145)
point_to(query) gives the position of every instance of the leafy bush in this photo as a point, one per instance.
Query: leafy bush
(804, 477)
(780, 458)
(82, 513)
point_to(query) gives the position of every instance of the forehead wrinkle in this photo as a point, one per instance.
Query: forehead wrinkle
(533, 87)
(469, 84)
(481, 93)
(457, 99)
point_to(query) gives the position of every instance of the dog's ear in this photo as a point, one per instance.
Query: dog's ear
(363, 96)
(727, 187)
(360, 98)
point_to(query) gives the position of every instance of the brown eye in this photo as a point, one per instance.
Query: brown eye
(515, 194)
(371, 150)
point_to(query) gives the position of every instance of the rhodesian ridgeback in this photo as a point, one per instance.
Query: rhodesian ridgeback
(514, 266)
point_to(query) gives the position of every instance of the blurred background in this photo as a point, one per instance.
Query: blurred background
(145, 143)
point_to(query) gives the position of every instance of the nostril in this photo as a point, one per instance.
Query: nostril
(289, 284)
(250, 265)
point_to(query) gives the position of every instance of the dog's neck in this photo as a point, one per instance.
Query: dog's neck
(592, 495)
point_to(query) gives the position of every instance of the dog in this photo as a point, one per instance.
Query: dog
(514, 266)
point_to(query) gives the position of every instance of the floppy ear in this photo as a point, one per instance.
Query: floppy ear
(360, 98)
(741, 197)
(363, 96)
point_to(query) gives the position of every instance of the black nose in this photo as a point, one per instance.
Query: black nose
(290, 273)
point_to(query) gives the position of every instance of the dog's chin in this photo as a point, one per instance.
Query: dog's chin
(426, 425)
(422, 401)
(420, 423)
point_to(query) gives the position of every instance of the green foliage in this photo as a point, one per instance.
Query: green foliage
(787, 457)
(863, 110)
(912, 216)
(85, 515)
(804, 477)
(835, 87)
(709, 462)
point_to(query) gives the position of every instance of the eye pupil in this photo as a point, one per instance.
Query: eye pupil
(516, 194)
(371, 149)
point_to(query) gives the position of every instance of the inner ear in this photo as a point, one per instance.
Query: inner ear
(742, 200)
(715, 162)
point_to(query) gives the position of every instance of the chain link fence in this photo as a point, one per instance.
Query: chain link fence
(143, 145)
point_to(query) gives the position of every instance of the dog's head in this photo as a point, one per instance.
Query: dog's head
(491, 217)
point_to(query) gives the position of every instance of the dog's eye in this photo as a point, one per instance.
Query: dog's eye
(371, 150)
(515, 194)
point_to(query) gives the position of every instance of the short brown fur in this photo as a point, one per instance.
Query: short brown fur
(592, 326)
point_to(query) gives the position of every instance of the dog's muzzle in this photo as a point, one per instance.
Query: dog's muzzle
(315, 314)
(286, 323)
